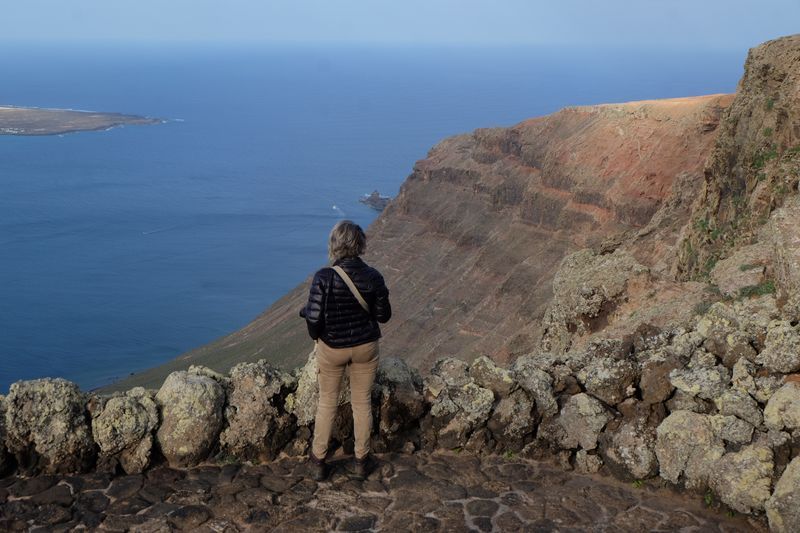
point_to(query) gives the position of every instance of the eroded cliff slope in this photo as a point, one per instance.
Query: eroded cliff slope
(470, 246)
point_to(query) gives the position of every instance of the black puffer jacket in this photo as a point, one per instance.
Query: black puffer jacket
(333, 314)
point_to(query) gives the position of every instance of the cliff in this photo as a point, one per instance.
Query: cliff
(754, 167)
(639, 262)
(471, 244)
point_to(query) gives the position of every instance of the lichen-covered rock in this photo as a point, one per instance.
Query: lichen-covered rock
(684, 343)
(722, 336)
(743, 479)
(582, 419)
(731, 429)
(755, 315)
(200, 370)
(587, 463)
(257, 425)
(687, 447)
(783, 409)
(701, 381)
(536, 382)
(781, 351)
(5, 460)
(743, 376)
(610, 380)
(783, 507)
(47, 426)
(702, 358)
(654, 381)
(585, 287)
(191, 417)
(738, 403)
(766, 386)
(398, 394)
(454, 372)
(455, 413)
(490, 376)
(682, 401)
(123, 430)
(772, 439)
(512, 420)
(630, 450)
(480, 442)
(564, 382)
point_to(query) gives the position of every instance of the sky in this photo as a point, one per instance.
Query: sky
(723, 24)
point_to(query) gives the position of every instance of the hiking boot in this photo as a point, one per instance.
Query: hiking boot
(362, 467)
(318, 467)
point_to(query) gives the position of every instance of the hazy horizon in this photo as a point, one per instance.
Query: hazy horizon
(715, 24)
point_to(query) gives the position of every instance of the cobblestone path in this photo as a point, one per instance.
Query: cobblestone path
(420, 492)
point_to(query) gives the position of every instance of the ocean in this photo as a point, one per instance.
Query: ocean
(122, 249)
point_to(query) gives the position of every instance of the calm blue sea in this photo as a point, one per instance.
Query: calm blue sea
(122, 249)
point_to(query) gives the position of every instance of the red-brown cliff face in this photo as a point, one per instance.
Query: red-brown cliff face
(470, 245)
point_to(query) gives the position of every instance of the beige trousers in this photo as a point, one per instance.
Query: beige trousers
(331, 362)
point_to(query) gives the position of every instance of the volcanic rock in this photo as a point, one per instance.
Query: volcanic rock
(123, 429)
(783, 409)
(5, 459)
(537, 383)
(610, 380)
(512, 419)
(783, 510)
(738, 403)
(687, 448)
(455, 413)
(630, 451)
(743, 479)
(398, 394)
(47, 426)
(191, 407)
(257, 426)
(488, 375)
(781, 351)
(582, 419)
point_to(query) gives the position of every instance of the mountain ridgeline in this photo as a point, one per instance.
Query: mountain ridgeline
(593, 222)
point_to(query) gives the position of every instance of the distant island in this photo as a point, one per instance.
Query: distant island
(39, 121)
(375, 200)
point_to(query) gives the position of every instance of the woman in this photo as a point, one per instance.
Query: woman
(344, 323)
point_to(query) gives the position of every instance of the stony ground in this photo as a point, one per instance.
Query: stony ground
(419, 492)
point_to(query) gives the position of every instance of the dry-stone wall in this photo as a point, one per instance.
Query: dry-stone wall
(712, 408)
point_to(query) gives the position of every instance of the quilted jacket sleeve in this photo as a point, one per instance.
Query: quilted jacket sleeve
(382, 310)
(313, 311)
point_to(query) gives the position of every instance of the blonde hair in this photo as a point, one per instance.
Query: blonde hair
(347, 239)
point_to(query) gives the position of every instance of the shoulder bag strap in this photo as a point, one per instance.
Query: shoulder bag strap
(349, 282)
